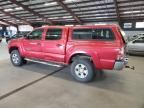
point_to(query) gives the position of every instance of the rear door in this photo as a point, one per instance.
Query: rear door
(55, 43)
(32, 44)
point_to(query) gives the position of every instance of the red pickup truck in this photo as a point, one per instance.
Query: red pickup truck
(85, 48)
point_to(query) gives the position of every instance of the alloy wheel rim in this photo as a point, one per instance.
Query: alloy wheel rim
(81, 71)
(15, 58)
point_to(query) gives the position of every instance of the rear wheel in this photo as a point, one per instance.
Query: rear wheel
(82, 70)
(16, 58)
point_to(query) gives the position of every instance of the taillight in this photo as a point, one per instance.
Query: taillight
(121, 54)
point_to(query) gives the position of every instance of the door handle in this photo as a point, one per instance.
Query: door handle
(58, 45)
(38, 44)
(35, 43)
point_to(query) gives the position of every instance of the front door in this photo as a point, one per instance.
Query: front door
(32, 44)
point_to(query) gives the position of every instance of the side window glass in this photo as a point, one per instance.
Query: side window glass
(82, 34)
(139, 40)
(103, 34)
(53, 34)
(93, 34)
(35, 35)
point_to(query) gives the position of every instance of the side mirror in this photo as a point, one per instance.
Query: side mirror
(25, 36)
(133, 42)
(135, 36)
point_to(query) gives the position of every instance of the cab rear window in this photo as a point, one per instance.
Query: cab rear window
(93, 34)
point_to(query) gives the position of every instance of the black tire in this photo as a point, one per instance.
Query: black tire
(88, 71)
(16, 58)
(24, 61)
(7, 40)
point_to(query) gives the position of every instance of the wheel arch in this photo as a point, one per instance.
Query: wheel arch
(94, 58)
(13, 48)
(77, 55)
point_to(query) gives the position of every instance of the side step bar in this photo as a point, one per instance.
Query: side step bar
(45, 63)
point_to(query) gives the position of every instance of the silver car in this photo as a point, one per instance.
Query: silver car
(136, 46)
(136, 36)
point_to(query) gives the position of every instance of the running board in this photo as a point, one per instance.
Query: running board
(45, 63)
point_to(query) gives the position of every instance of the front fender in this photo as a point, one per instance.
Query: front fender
(16, 44)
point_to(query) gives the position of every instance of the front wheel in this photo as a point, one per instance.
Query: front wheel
(82, 70)
(16, 58)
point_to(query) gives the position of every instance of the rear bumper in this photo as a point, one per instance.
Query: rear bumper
(119, 65)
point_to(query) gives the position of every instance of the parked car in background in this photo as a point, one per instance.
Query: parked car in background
(136, 36)
(15, 36)
(85, 48)
(136, 46)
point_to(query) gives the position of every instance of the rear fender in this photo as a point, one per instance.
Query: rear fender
(93, 57)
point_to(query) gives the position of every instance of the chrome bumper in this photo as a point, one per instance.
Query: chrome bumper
(119, 65)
